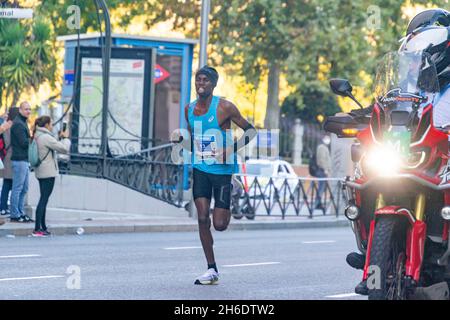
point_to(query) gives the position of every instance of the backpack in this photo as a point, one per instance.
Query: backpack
(33, 154)
(312, 166)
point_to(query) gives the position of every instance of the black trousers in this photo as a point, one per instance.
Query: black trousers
(46, 187)
(7, 186)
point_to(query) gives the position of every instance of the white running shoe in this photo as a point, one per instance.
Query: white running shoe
(209, 277)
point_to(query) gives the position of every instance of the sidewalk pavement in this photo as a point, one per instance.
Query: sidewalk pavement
(71, 222)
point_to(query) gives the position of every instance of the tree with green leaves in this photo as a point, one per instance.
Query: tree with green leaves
(27, 58)
(183, 12)
(343, 39)
(256, 37)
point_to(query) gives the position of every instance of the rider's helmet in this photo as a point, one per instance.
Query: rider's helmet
(429, 31)
(431, 17)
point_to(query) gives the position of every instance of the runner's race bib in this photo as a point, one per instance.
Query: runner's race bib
(206, 146)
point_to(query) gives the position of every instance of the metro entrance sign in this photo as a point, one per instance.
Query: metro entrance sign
(14, 13)
(160, 74)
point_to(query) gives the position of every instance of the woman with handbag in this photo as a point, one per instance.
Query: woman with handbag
(47, 170)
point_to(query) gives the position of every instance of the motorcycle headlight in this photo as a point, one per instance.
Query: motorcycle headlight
(384, 161)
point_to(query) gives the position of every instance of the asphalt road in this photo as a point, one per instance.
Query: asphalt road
(268, 264)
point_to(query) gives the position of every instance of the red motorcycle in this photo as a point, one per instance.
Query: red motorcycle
(399, 196)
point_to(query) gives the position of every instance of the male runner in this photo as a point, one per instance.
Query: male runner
(214, 159)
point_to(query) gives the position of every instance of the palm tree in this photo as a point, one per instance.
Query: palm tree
(27, 58)
(43, 55)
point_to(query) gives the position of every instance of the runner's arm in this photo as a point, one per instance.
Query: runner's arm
(249, 129)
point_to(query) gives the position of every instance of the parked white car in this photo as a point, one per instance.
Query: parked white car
(264, 170)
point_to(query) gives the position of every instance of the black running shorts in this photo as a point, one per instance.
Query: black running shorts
(206, 183)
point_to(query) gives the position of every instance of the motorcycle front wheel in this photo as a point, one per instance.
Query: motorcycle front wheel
(387, 259)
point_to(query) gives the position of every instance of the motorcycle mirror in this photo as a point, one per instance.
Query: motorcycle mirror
(342, 87)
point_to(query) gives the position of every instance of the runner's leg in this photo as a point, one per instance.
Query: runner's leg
(204, 228)
(222, 200)
(202, 192)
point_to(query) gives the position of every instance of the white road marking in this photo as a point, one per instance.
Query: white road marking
(181, 248)
(31, 278)
(250, 264)
(314, 242)
(344, 295)
(21, 256)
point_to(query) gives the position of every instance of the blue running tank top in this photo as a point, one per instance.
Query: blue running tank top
(209, 138)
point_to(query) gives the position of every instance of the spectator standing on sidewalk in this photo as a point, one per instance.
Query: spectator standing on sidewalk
(323, 159)
(46, 172)
(20, 140)
(5, 154)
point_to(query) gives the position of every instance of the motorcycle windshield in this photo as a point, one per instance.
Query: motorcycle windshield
(405, 82)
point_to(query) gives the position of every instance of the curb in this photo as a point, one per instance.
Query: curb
(71, 229)
(274, 225)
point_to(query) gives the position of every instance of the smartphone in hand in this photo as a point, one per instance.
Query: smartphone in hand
(64, 133)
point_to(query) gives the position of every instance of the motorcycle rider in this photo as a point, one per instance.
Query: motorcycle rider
(422, 30)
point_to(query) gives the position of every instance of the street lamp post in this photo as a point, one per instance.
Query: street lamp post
(203, 57)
